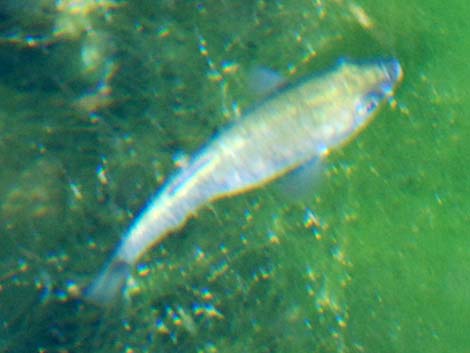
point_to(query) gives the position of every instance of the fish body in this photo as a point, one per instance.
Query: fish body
(297, 124)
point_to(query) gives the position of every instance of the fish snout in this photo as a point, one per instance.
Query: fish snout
(394, 72)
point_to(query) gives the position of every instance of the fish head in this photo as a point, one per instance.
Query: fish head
(379, 83)
(360, 90)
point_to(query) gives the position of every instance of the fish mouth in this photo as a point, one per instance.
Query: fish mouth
(394, 74)
(394, 71)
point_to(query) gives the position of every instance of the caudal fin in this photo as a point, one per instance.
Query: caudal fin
(109, 284)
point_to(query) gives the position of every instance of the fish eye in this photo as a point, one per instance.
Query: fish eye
(368, 104)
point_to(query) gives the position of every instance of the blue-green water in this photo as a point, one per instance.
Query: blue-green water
(98, 102)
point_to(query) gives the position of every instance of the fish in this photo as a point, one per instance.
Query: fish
(298, 123)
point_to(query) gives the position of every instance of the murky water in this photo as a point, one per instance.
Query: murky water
(101, 102)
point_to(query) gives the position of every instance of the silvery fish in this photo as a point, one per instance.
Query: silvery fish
(293, 126)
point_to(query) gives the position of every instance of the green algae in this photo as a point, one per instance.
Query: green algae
(373, 259)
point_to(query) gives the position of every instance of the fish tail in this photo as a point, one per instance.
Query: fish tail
(109, 284)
